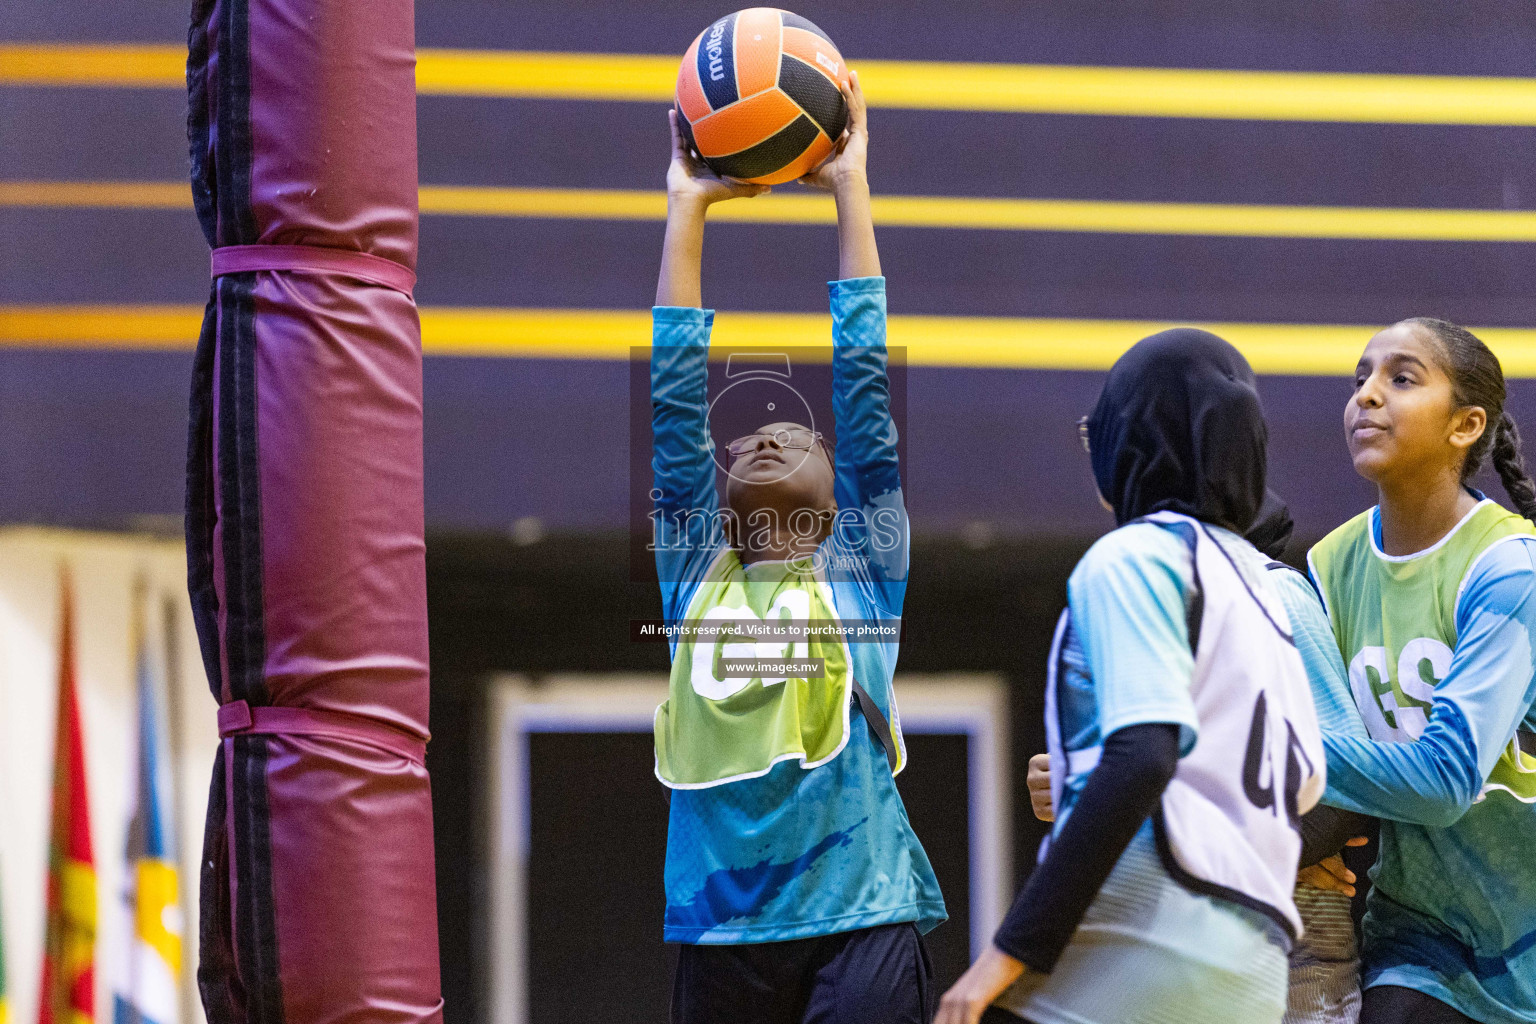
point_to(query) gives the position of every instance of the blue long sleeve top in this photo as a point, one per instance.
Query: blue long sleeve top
(1484, 698)
(794, 853)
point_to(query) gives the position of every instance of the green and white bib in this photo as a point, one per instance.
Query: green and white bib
(1395, 621)
(724, 723)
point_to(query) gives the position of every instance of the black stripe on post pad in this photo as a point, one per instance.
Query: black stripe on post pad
(239, 483)
(255, 909)
(795, 21)
(717, 62)
(770, 154)
(815, 93)
(200, 514)
(232, 127)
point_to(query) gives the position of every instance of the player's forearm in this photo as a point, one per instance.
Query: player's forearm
(866, 433)
(686, 522)
(682, 255)
(1429, 782)
(857, 255)
(1134, 769)
(682, 456)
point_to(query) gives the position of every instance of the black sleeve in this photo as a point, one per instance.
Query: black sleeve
(1134, 769)
(1324, 830)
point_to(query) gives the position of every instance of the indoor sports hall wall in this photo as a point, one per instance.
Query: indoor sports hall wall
(1037, 214)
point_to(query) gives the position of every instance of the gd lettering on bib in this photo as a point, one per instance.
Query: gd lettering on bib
(723, 722)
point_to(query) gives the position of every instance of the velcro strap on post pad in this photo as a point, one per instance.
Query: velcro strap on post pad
(243, 259)
(238, 718)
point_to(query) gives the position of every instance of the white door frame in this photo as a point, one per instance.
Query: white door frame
(972, 705)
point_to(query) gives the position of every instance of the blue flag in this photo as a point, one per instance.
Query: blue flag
(147, 975)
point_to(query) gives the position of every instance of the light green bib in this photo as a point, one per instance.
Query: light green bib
(1395, 621)
(718, 727)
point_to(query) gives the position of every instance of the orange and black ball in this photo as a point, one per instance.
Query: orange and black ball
(757, 96)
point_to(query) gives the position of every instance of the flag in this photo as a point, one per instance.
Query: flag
(147, 965)
(67, 994)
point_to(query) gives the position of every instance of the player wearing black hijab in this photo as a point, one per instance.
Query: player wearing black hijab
(1166, 891)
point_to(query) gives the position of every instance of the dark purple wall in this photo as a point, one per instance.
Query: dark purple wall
(97, 437)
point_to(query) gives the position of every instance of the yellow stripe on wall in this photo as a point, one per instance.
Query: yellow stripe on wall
(931, 85)
(1096, 216)
(164, 328)
(120, 65)
(120, 195)
(996, 342)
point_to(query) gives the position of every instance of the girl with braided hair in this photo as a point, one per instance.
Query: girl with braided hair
(1432, 599)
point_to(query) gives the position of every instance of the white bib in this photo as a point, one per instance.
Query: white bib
(1227, 825)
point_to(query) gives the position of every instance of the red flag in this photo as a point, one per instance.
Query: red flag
(68, 993)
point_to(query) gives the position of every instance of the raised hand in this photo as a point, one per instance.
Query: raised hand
(847, 163)
(688, 180)
(691, 190)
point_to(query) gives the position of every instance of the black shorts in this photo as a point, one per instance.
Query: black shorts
(1395, 1004)
(870, 976)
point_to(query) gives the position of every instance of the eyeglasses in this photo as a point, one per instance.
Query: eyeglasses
(1082, 433)
(799, 438)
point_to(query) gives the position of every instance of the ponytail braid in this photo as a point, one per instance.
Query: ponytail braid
(1509, 461)
(1478, 379)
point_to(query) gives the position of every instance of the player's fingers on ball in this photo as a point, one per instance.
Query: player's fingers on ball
(849, 101)
(856, 96)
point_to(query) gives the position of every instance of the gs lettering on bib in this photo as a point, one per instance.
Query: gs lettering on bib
(1394, 701)
(1395, 620)
(741, 699)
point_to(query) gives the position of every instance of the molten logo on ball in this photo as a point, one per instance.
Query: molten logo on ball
(714, 48)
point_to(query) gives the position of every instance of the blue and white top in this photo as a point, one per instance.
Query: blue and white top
(794, 853)
(1453, 908)
(1125, 659)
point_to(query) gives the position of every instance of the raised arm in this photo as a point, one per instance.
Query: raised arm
(1476, 708)
(845, 175)
(872, 514)
(686, 530)
(691, 191)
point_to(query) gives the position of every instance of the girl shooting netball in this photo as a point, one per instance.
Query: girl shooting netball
(793, 879)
